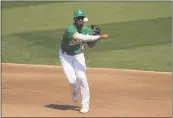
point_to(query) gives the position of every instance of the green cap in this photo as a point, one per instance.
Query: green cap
(78, 13)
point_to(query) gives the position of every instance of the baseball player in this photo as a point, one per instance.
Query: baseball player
(77, 36)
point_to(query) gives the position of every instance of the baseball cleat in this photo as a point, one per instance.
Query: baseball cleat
(75, 96)
(85, 108)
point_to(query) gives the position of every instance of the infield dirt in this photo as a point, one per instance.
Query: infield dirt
(30, 91)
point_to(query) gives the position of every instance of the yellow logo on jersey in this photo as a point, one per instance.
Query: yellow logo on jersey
(75, 41)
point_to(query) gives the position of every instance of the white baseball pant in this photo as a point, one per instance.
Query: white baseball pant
(74, 68)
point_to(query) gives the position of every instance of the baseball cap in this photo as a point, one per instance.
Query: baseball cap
(79, 13)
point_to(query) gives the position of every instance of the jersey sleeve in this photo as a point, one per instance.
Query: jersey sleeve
(71, 32)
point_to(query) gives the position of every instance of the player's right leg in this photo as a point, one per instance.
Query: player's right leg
(80, 69)
(66, 62)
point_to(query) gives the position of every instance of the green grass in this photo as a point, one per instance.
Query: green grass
(140, 33)
(56, 15)
(142, 58)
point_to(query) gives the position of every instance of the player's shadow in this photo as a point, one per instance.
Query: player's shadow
(63, 107)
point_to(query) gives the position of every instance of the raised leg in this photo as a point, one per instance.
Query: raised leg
(66, 62)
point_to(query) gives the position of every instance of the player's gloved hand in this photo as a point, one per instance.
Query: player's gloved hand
(95, 30)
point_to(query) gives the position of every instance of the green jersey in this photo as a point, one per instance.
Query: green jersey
(70, 45)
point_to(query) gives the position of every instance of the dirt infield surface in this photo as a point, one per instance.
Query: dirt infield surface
(29, 90)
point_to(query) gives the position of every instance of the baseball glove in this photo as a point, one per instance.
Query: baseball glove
(95, 31)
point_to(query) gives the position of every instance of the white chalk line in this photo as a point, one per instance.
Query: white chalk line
(111, 69)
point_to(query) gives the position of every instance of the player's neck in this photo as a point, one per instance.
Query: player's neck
(79, 28)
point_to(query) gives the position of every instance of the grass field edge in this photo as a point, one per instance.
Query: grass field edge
(90, 68)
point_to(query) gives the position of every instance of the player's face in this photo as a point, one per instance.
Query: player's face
(79, 20)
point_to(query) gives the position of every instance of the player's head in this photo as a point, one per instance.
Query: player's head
(78, 17)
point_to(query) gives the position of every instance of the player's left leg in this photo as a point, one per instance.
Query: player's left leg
(80, 69)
